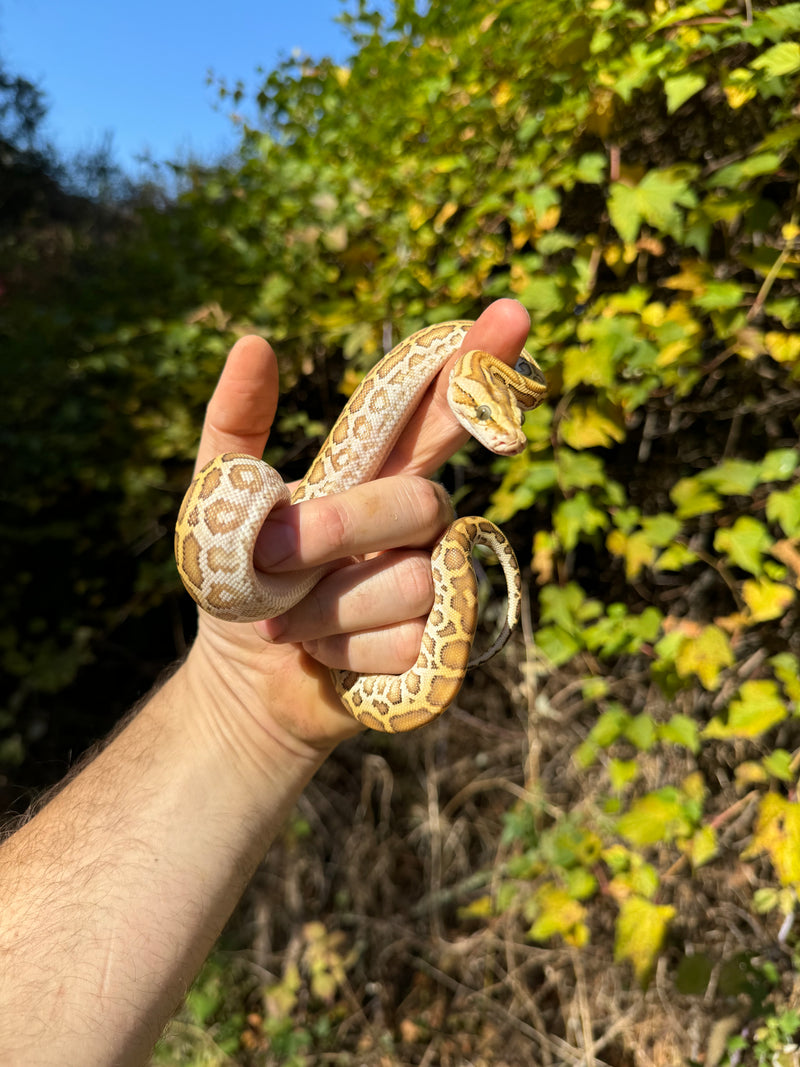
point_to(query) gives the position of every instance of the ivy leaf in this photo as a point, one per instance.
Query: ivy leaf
(783, 506)
(587, 426)
(704, 654)
(702, 846)
(658, 816)
(657, 200)
(587, 365)
(737, 174)
(575, 517)
(745, 544)
(777, 833)
(557, 913)
(557, 644)
(733, 477)
(591, 168)
(778, 763)
(787, 671)
(681, 730)
(766, 599)
(681, 87)
(783, 58)
(758, 707)
(720, 295)
(634, 548)
(779, 464)
(691, 497)
(782, 347)
(675, 558)
(640, 933)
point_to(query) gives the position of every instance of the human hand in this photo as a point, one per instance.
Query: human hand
(270, 679)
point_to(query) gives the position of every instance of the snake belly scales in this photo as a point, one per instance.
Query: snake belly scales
(230, 498)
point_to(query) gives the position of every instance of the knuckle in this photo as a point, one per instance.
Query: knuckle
(416, 582)
(431, 502)
(333, 518)
(407, 641)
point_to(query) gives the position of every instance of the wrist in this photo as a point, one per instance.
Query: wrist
(250, 717)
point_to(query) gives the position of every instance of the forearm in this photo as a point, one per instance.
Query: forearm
(112, 896)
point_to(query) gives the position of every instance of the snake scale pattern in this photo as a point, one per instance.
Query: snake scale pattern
(231, 497)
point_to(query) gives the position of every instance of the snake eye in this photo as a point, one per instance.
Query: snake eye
(483, 413)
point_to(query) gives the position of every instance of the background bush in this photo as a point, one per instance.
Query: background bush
(621, 786)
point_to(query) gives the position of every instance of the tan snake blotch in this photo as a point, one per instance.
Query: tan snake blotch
(230, 498)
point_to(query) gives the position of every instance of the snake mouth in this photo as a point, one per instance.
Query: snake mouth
(507, 445)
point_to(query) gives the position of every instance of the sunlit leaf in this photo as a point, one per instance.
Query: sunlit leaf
(575, 517)
(757, 708)
(783, 58)
(745, 544)
(692, 497)
(681, 87)
(586, 426)
(640, 931)
(777, 833)
(702, 846)
(557, 913)
(706, 655)
(766, 599)
(783, 506)
(659, 816)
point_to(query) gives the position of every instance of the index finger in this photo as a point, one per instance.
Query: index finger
(432, 434)
(240, 412)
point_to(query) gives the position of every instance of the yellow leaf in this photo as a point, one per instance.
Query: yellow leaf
(635, 548)
(672, 352)
(543, 556)
(758, 707)
(738, 95)
(503, 92)
(584, 365)
(702, 846)
(478, 909)
(748, 774)
(558, 914)
(588, 427)
(418, 214)
(445, 212)
(777, 833)
(351, 379)
(766, 599)
(641, 928)
(783, 347)
(739, 87)
(693, 278)
(704, 655)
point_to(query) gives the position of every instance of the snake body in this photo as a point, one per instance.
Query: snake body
(231, 497)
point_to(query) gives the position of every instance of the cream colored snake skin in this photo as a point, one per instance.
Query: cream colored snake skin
(230, 498)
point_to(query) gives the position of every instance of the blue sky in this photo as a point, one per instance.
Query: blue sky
(138, 71)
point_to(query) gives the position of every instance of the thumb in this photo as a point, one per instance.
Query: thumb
(240, 413)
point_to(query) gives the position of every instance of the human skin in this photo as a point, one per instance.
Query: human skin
(113, 894)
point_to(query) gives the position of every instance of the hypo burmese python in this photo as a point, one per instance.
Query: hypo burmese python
(230, 498)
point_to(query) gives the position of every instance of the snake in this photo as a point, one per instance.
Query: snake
(230, 498)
